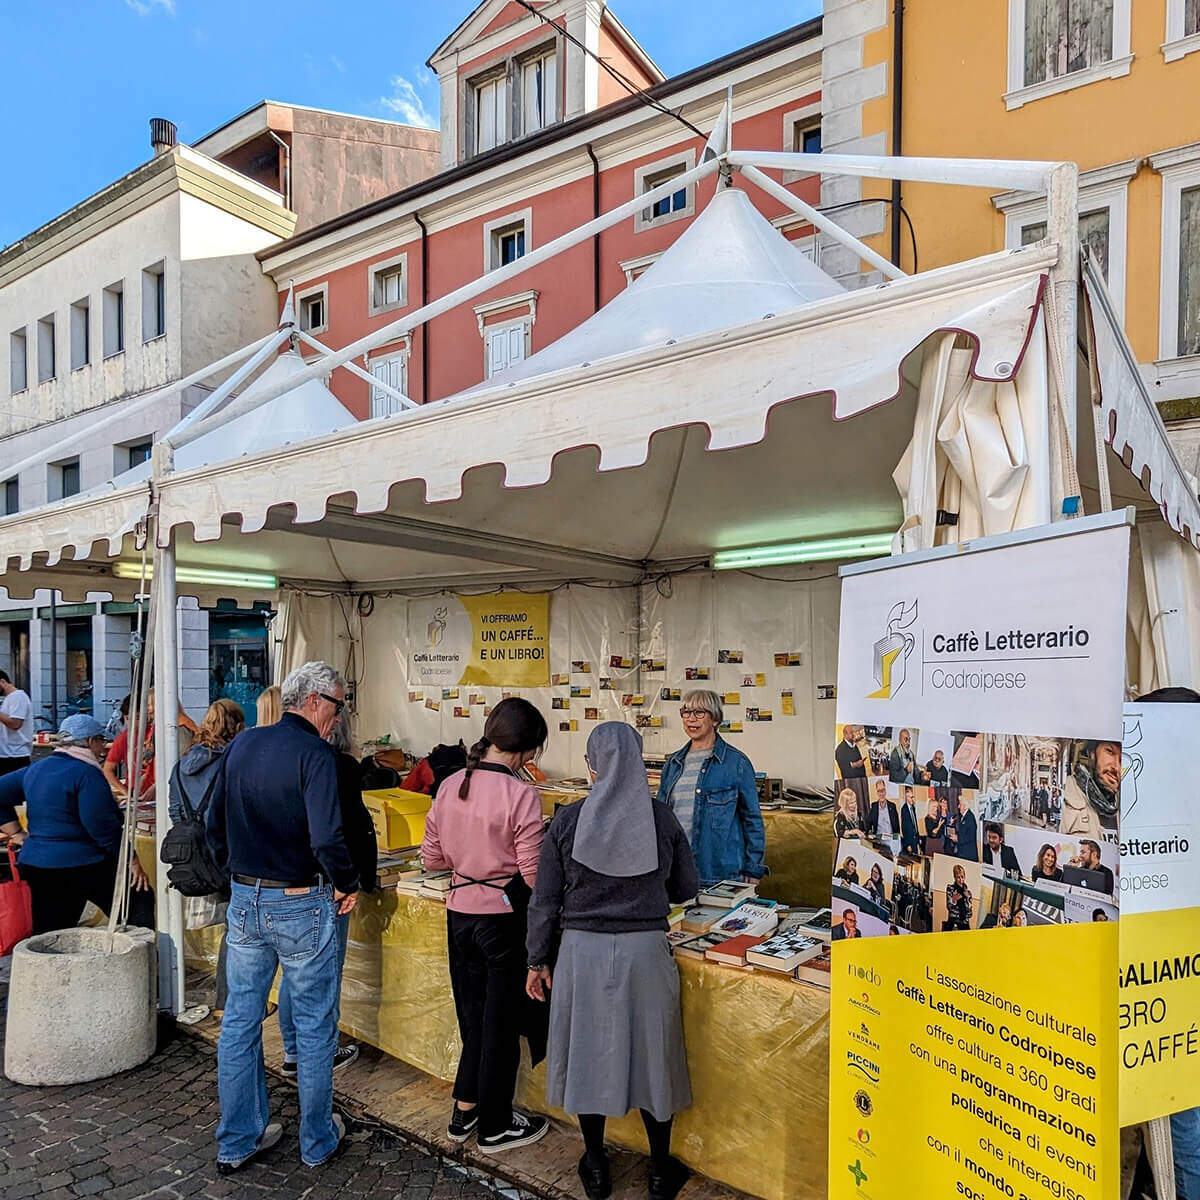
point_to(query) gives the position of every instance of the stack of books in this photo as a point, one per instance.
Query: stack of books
(697, 947)
(729, 893)
(784, 952)
(431, 884)
(814, 922)
(734, 951)
(754, 917)
(816, 970)
(392, 869)
(700, 918)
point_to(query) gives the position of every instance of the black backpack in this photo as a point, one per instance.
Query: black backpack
(192, 871)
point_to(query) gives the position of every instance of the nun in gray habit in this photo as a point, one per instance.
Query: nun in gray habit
(611, 867)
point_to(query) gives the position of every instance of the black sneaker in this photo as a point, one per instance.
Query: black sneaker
(343, 1056)
(270, 1137)
(288, 1070)
(665, 1183)
(462, 1123)
(522, 1131)
(596, 1178)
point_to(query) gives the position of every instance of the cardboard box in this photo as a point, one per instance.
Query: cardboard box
(398, 816)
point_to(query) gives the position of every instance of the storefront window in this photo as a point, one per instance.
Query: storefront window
(237, 658)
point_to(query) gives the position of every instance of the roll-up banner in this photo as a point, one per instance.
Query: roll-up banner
(975, 877)
(1159, 1011)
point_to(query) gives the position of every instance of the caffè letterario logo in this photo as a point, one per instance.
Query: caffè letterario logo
(892, 651)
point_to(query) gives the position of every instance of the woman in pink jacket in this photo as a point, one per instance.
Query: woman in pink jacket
(486, 827)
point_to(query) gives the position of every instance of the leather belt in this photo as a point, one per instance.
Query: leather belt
(255, 881)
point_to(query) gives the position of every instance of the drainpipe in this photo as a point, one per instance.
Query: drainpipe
(53, 660)
(897, 118)
(596, 239)
(287, 166)
(424, 301)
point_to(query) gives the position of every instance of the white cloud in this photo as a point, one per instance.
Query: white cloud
(407, 105)
(337, 62)
(144, 8)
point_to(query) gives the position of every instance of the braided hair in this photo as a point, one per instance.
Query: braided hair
(514, 726)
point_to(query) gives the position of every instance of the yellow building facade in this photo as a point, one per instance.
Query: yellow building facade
(1111, 85)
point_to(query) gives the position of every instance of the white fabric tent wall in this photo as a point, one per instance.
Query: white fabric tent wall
(686, 623)
(1171, 571)
(979, 449)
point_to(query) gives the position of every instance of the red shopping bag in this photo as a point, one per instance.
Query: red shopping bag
(16, 908)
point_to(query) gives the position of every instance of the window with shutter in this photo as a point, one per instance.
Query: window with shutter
(1093, 236)
(505, 346)
(1189, 271)
(1191, 18)
(391, 371)
(491, 113)
(539, 86)
(1065, 36)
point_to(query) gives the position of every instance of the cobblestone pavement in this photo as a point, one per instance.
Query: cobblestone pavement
(149, 1133)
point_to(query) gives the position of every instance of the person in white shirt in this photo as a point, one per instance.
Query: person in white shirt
(16, 726)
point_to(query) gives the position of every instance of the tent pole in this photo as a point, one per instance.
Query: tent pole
(126, 411)
(355, 369)
(1062, 227)
(821, 221)
(166, 749)
(213, 401)
(485, 283)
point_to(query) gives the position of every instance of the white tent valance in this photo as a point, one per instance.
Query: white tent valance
(1130, 421)
(851, 347)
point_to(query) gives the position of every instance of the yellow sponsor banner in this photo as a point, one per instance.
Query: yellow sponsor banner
(975, 1067)
(496, 640)
(1157, 1015)
(511, 646)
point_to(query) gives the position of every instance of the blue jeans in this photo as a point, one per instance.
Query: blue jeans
(1185, 1143)
(287, 1022)
(266, 928)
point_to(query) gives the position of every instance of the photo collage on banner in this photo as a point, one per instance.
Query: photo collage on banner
(944, 831)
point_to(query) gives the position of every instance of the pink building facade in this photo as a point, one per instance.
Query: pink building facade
(536, 139)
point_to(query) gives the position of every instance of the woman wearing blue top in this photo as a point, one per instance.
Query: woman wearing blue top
(711, 788)
(70, 853)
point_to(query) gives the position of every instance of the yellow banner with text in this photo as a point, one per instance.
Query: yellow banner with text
(982, 1067)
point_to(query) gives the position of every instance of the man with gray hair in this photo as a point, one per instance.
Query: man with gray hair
(274, 822)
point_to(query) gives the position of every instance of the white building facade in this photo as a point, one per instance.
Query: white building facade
(133, 289)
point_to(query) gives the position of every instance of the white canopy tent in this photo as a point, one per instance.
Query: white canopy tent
(733, 397)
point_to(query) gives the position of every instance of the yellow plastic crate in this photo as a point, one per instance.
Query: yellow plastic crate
(399, 817)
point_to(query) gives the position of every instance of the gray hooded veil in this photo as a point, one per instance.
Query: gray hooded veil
(615, 834)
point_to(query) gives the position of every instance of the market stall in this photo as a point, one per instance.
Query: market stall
(678, 496)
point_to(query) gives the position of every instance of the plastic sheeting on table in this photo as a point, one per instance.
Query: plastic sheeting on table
(758, 1048)
(800, 856)
(200, 946)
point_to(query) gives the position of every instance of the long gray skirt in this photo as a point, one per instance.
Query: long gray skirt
(616, 1036)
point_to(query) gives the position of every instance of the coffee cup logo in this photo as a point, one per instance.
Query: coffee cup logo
(892, 651)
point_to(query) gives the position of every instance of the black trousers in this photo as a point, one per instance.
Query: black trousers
(60, 894)
(487, 976)
(14, 763)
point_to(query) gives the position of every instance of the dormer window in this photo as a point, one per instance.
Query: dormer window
(539, 91)
(491, 112)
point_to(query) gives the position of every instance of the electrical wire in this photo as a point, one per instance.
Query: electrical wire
(912, 233)
(631, 87)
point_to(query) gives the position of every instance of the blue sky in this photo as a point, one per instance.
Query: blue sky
(89, 74)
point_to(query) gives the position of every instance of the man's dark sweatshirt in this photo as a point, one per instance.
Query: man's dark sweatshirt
(274, 812)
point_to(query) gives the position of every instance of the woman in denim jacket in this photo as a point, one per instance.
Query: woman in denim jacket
(713, 792)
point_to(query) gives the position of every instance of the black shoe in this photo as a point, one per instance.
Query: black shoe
(288, 1070)
(665, 1183)
(522, 1131)
(596, 1179)
(343, 1056)
(462, 1123)
(270, 1137)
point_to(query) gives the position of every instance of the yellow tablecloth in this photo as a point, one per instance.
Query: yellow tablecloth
(758, 1048)
(200, 946)
(800, 855)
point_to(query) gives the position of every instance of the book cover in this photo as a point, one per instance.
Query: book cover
(696, 947)
(733, 951)
(817, 970)
(727, 894)
(700, 919)
(785, 951)
(755, 917)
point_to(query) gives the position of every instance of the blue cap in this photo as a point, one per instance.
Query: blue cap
(79, 727)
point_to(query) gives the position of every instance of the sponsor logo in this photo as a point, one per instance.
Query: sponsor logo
(892, 651)
(857, 1171)
(864, 1005)
(436, 629)
(863, 1040)
(866, 1107)
(859, 1065)
(864, 1137)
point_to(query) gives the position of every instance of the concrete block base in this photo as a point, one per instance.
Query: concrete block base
(80, 1005)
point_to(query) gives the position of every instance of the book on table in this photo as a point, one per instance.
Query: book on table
(696, 947)
(729, 893)
(756, 917)
(785, 951)
(817, 971)
(433, 880)
(732, 952)
(701, 918)
(814, 922)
